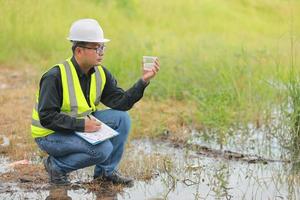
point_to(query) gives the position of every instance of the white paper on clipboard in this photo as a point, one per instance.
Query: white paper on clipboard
(104, 133)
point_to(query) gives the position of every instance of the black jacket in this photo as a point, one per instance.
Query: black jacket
(50, 98)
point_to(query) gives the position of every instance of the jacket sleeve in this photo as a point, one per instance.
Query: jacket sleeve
(115, 97)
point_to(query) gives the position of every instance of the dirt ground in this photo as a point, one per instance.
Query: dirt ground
(17, 88)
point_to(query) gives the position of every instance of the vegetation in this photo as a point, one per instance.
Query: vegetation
(293, 102)
(223, 59)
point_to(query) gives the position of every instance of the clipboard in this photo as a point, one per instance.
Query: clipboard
(101, 135)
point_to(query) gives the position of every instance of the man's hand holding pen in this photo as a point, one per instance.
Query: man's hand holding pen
(91, 124)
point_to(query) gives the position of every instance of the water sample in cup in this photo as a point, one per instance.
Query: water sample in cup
(148, 62)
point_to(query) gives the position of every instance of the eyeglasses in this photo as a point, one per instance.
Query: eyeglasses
(98, 50)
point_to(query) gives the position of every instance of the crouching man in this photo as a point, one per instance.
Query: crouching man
(69, 92)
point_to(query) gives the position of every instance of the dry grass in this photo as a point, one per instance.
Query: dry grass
(141, 165)
(163, 117)
(26, 173)
(33, 177)
(16, 99)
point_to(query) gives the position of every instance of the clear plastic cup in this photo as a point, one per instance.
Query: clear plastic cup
(148, 62)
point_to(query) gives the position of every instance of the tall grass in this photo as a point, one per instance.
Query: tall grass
(294, 114)
(294, 93)
(220, 54)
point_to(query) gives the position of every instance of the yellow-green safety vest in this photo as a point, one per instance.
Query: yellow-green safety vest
(74, 103)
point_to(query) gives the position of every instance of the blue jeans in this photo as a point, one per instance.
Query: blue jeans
(68, 152)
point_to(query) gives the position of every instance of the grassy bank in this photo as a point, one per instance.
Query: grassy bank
(223, 59)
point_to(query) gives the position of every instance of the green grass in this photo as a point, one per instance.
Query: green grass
(221, 54)
(293, 101)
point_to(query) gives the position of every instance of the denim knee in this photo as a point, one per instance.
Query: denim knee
(103, 150)
(125, 119)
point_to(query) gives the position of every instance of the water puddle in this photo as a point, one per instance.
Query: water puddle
(193, 176)
(185, 174)
(258, 141)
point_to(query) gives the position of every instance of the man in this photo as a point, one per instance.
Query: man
(72, 90)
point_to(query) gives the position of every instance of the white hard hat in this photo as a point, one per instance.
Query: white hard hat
(86, 30)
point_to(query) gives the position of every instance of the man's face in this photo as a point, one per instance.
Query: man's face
(93, 53)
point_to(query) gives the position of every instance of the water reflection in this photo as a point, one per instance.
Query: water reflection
(192, 175)
(58, 192)
(61, 193)
(106, 195)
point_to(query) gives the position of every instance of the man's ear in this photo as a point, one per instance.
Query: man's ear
(78, 51)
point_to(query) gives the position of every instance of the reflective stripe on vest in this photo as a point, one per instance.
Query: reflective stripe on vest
(74, 103)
